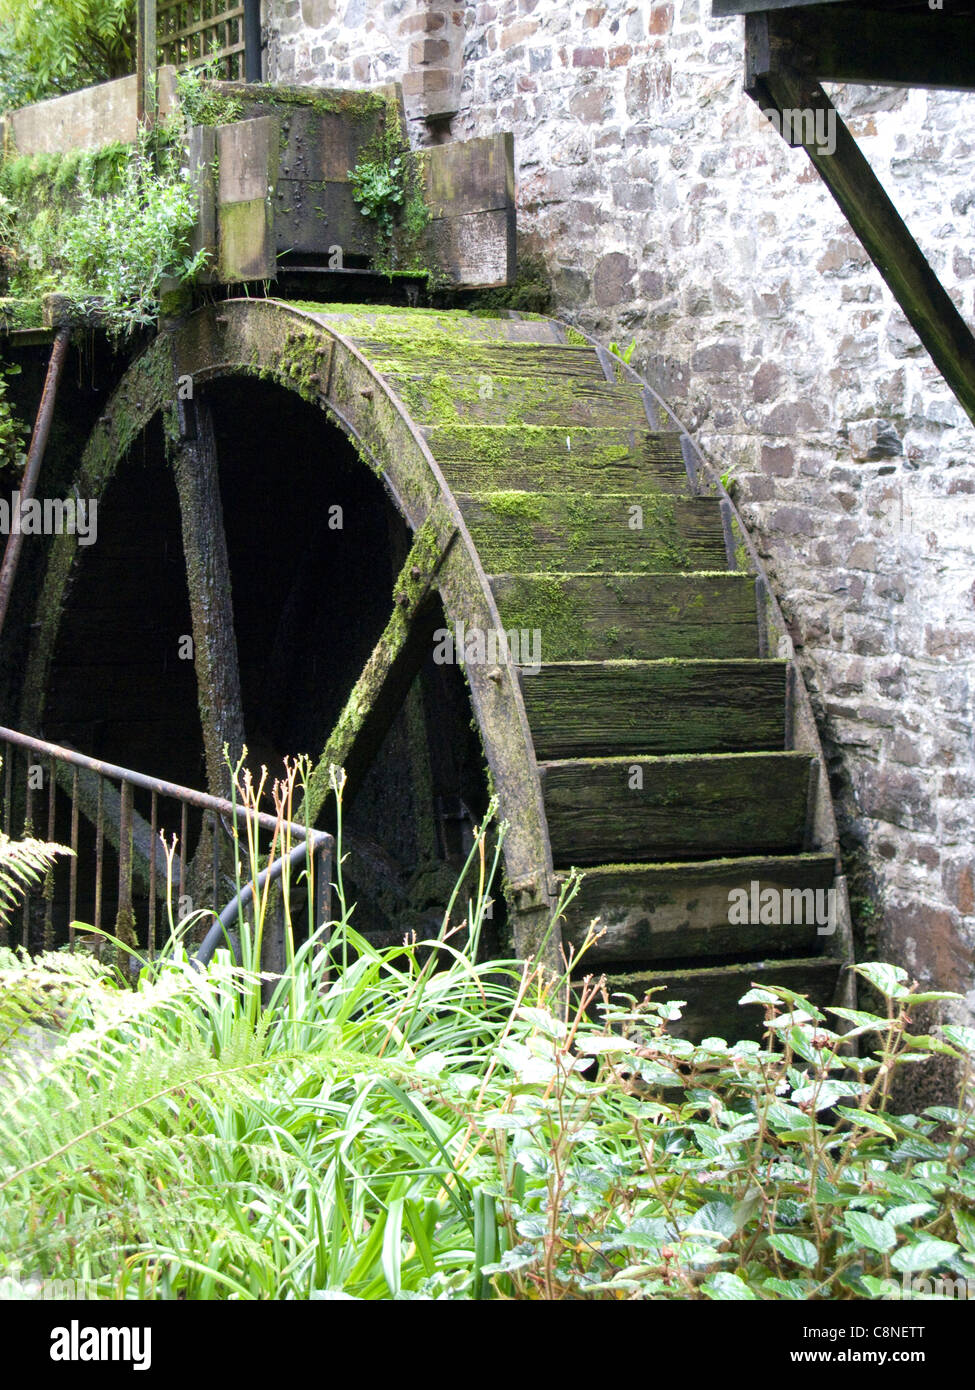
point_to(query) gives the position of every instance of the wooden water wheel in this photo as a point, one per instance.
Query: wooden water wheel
(652, 728)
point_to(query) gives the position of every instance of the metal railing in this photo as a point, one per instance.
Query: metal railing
(121, 871)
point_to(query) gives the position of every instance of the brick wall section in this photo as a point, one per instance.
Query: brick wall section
(668, 211)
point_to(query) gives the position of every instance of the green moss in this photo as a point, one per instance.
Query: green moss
(576, 339)
(21, 313)
(529, 293)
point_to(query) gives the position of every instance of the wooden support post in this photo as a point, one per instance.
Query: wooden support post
(871, 214)
(147, 100)
(875, 46)
(252, 41)
(211, 600)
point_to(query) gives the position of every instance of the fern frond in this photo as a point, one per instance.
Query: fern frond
(23, 863)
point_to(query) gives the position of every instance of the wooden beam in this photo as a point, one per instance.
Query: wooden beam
(147, 100)
(895, 50)
(380, 692)
(721, 9)
(874, 219)
(211, 600)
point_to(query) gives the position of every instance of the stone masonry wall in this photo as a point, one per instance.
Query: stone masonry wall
(669, 212)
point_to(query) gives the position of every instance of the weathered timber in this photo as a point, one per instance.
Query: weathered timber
(634, 616)
(546, 459)
(201, 158)
(477, 356)
(466, 176)
(645, 808)
(195, 469)
(520, 530)
(320, 216)
(874, 46)
(453, 398)
(421, 328)
(712, 994)
(476, 250)
(381, 690)
(602, 708)
(657, 912)
(247, 153)
(863, 201)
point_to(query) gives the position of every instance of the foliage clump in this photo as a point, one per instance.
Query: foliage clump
(49, 47)
(387, 186)
(408, 1123)
(414, 1122)
(102, 227)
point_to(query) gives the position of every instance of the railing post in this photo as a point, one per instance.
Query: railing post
(125, 916)
(147, 97)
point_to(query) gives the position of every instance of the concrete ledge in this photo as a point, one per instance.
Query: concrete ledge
(87, 119)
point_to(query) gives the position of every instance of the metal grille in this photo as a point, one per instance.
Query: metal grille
(191, 33)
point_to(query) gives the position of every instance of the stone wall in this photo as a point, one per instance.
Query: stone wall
(668, 211)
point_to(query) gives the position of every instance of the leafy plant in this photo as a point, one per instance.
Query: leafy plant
(732, 1171)
(378, 189)
(23, 863)
(103, 227)
(53, 46)
(199, 102)
(387, 187)
(13, 436)
(415, 1123)
(624, 354)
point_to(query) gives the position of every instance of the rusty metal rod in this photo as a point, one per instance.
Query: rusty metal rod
(32, 468)
(155, 784)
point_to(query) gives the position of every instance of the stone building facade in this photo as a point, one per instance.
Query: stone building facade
(667, 210)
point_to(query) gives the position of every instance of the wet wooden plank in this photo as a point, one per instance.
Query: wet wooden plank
(712, 994)
(521, 530)
(457, 398)
(549, 458)
(453, 353)
(589, 709)
(602, 810)
(633, 616)
(668, 912)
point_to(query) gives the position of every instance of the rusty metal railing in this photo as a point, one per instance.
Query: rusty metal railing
(107, 813)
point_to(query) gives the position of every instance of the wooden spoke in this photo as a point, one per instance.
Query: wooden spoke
(381, 691)
(211, 600)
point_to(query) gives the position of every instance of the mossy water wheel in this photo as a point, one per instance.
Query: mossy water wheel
(657, 736)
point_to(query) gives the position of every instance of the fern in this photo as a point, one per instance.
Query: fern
(23, 863)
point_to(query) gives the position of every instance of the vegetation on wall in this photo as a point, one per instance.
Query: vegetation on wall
(13, 434)
(387, 185)
(52, 46)
(101, 227)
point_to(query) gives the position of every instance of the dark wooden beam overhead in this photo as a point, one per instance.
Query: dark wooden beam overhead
(720, 9)
(903, 49)
(873, 217)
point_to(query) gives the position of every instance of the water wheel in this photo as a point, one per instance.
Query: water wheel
(644, 720)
